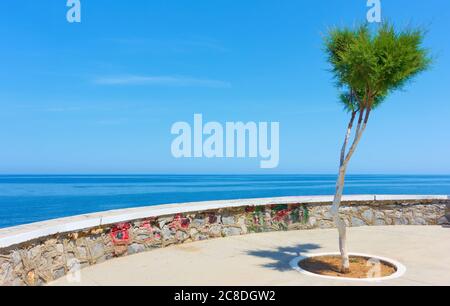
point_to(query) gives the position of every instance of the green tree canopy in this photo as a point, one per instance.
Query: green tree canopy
(368, 65)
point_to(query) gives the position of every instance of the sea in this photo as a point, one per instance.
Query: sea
(32, 198)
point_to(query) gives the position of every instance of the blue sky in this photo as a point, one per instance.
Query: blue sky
(101, 96)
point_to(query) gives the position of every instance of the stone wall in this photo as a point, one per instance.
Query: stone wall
(446, 220)
(47, 258)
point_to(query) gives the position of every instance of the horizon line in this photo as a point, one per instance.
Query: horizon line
(214, 174)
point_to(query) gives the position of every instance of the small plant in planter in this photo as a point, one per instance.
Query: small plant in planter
(367, 66)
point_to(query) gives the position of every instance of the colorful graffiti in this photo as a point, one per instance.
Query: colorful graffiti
(276, 217)
(154, 232)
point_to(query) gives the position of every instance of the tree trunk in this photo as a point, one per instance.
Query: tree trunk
(345, 158)
(340, 224)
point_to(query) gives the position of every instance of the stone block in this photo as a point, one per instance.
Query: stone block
(357, 222)
(444, 220)
(228, 220)
(231, 231)
(135, 248)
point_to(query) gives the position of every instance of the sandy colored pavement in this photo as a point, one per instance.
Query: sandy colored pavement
(263, 259)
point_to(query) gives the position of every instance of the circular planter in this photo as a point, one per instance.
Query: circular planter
(400, 269)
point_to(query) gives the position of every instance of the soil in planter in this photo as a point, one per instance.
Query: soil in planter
(360, 267)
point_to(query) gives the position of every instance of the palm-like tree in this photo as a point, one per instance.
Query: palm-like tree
(368, 65)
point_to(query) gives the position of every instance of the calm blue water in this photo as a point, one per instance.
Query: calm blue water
(25, 199)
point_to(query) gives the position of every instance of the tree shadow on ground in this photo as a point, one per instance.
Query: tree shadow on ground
(283, 255)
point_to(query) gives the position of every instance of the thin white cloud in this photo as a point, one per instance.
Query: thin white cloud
(177, 81)
(62, 109)
(118, 121)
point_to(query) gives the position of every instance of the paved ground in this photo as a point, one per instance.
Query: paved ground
(263, 259)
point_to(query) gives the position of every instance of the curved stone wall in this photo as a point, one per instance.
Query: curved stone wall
(38, 253)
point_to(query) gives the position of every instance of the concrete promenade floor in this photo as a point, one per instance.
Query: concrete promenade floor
(263, 259)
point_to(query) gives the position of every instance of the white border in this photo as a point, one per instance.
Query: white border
(401, 269)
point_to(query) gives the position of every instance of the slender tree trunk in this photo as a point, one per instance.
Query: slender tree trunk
(340, 224)
(344, 160)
